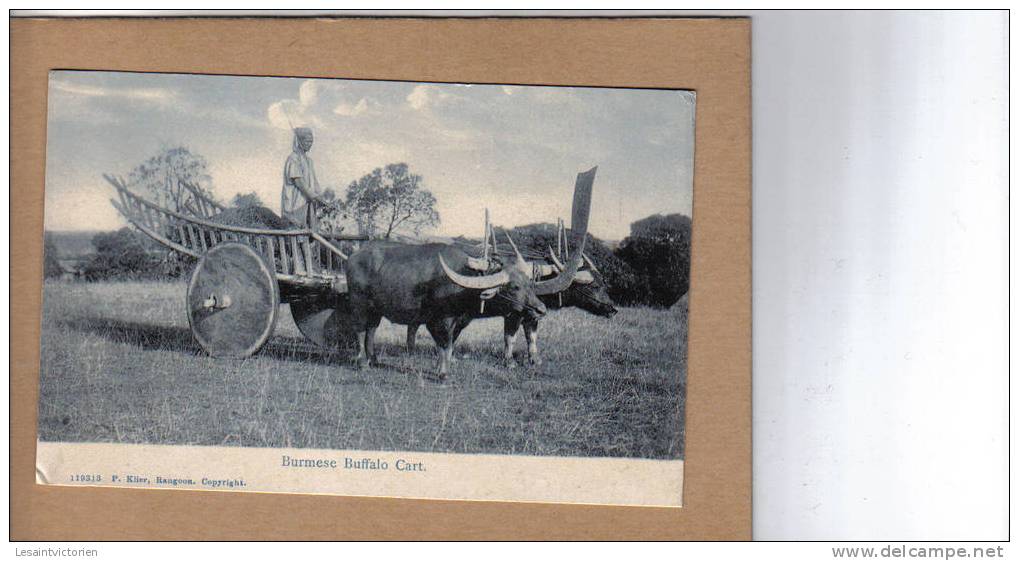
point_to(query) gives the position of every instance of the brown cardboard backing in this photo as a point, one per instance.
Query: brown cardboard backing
(711, 56)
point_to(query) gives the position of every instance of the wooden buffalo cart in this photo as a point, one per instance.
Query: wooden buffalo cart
(244, 274)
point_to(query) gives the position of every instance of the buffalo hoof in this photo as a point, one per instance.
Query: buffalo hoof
(535, 361)
(509, 363)
(362, 363)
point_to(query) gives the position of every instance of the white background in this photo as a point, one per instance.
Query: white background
(880, 275)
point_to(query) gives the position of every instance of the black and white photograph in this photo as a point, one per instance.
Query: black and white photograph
(365, 287)
(334, 276)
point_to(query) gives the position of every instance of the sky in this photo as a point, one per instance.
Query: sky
(514, 149)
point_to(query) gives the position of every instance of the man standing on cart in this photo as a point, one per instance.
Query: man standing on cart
(302, 195)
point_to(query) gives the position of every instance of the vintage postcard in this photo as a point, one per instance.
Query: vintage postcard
(370, 288)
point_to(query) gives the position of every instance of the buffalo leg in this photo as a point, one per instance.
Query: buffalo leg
(446, 360)
(362, 358)
(443, 332)
(531, 332)
(412, 333)
(366, 343)
(510, 326)
(370, 342)
(458, 327)
(373, 356)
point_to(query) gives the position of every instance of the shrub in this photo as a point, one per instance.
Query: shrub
(127, 254)
(658, 251)
(534, 241)
(246, 200)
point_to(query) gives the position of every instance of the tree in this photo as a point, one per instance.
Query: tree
(122, 254)
(51, 267)
(658, 250)
(246, 200)
(391, 199)
(535, 240)
(173, 177)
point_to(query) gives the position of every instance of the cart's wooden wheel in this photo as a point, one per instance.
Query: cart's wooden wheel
(233, 301)
(323, 318)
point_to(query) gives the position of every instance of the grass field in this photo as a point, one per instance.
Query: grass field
(119, 365)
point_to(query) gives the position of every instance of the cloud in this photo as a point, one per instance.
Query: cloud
(289, 113)
(308, 93)
(285, 114)
(425, 95)
(152, 95)
(462, 138)
(311, 106)
(105, 104)
(364, 105)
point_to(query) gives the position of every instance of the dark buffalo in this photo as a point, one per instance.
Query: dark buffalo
(422, 284)
(586, 291)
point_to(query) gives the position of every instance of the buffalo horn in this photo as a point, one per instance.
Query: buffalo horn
(563, 280)
(560, 283)
(559, 264)
(589, 263)
(477, 283)
(555, 260)
(513, 245)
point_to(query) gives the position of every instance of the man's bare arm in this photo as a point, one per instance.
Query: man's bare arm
(303, 188)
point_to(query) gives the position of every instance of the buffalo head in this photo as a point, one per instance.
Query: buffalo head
(556, 284)
(509, 286)
(587, 291)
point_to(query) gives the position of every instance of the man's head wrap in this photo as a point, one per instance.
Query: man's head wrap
(299, 133)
